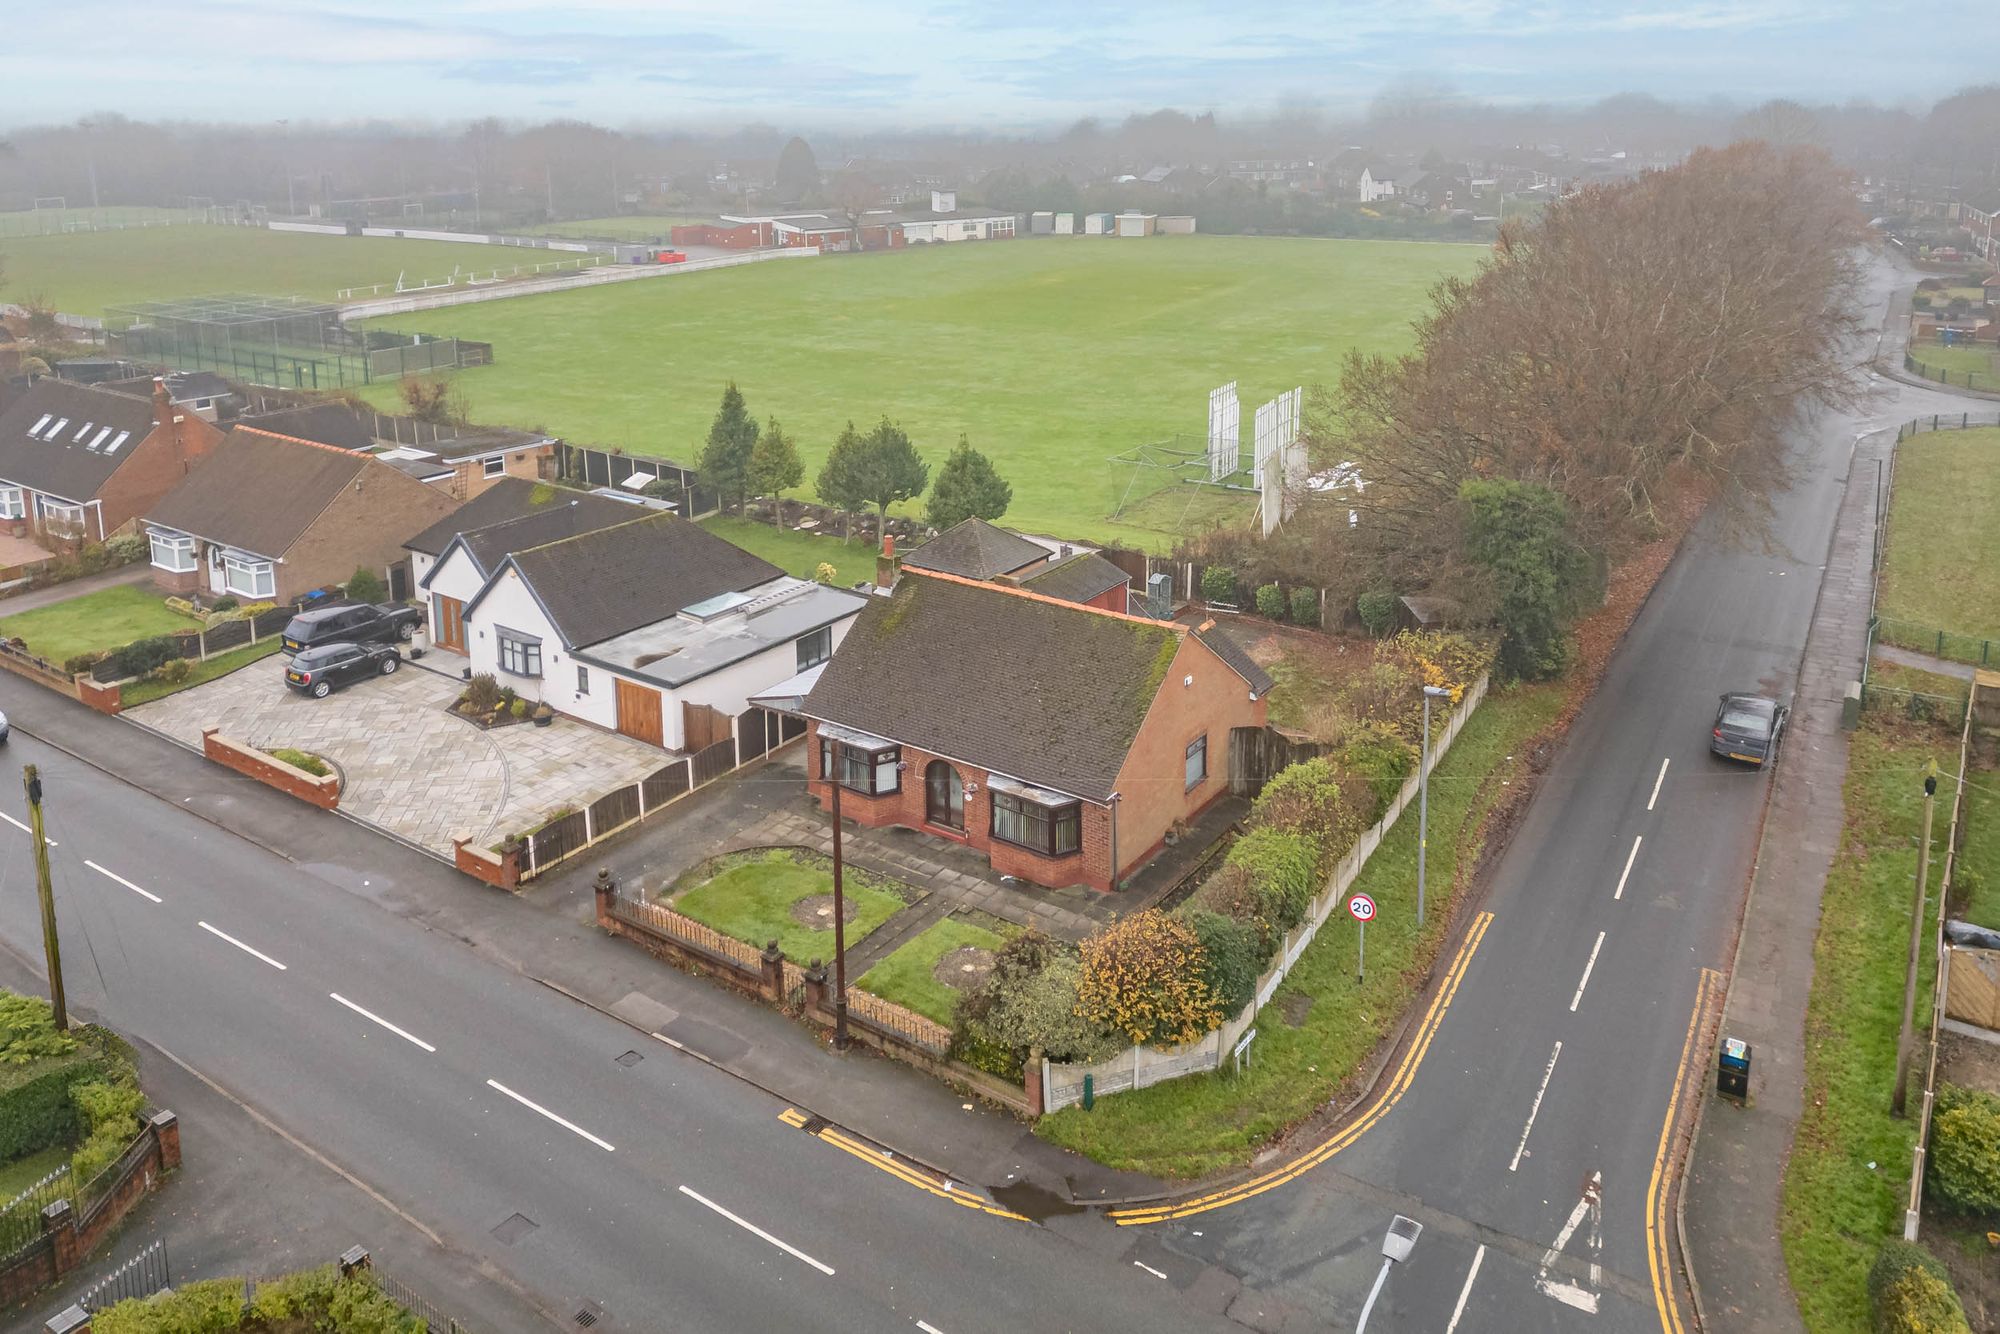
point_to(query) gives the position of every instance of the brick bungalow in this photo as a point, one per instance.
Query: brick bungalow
(270, 518)
(976, 549)
(79, 463)
(1061, 741)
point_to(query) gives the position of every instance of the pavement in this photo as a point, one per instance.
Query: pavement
(406, 764)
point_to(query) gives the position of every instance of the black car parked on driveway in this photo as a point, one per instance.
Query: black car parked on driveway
(1748, 727)
(319, 669)
(354, 623)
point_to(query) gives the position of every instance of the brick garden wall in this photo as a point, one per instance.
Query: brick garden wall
(321, 792)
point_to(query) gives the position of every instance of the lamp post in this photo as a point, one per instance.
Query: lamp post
(1904, 1039)
(1424, 793)
(1396, 1248)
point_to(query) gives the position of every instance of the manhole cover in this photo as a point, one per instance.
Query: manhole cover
(964, 968)
(515, 1227)
(816, 911)
(629, 1058)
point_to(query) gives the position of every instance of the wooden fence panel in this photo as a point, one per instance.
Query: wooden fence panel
(714, 762)
(557, 839)
(665, 784)
(753, 736)
(613, 809)
(1973, 994)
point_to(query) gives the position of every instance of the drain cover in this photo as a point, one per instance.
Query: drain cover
(515, 1227)
(629, 1058)
(590, 1313)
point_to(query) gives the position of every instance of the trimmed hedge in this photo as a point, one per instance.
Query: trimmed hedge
(37, 1106)
(313, 1299)
(1910, 1293)
(1218, 584)
(1965, 1151)
(1232, 956)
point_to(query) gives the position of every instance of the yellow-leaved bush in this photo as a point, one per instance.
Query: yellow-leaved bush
(1145, 977)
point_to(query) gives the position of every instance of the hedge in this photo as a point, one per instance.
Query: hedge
(36, 1109)
(1965, 1151)
(314, 1299)
(1910, 1293)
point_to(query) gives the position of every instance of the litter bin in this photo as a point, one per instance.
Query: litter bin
(1732, 1070)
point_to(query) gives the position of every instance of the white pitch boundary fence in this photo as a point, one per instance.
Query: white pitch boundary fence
(1142, 1067)
(606, 273)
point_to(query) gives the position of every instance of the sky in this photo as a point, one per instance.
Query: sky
(954, 64)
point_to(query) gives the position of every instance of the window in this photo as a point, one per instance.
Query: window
(248, 577)
(173, 551)
(869, 770)
(493, 467)
(59, 518)
(815, 648)
(1052, 828)
(520, 655)
(11, 504)
(1197, 762)
(582, 679)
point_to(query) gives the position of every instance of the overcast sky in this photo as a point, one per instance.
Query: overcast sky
(945, 63)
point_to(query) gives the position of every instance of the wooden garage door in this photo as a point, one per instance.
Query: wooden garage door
(449, 630)
(639, 712)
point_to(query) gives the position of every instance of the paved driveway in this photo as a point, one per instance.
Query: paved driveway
(405, 763)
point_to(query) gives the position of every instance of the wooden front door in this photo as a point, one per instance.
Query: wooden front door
(448, 628)
(639, 712)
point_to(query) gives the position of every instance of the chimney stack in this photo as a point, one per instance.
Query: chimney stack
(163, 403)
(886, 564)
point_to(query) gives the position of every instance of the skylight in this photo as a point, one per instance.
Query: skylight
(56, 430)
(101, 437)
(36, 429)
(117, 440)
(82, 432)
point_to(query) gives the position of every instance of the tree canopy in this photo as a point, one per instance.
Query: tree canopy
(879, 469)
(732, 438)
(774, 464)
(798, 171)
(967, 487)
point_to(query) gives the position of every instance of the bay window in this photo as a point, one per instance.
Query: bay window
(11, 503)
(859, 762)
(173, 551)
(61, 519)
(520, 655)
(1040, 821)
(248, 577)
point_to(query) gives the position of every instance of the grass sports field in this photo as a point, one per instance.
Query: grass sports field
(84, 272)
(631, 227)
(1052, 355)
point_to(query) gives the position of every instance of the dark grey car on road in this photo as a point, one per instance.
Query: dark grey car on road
(1748, 728)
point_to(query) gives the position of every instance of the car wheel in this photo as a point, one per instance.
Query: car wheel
(389, 665)
(406, 631)
(321, 689)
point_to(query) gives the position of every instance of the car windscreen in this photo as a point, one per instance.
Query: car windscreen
(1745, 720)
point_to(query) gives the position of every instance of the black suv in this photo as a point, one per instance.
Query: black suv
(317, 670)
(355, 623)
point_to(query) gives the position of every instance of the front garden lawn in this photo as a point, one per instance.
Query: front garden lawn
(26, 1170)
(1187, 1127)
(107, 619)
(222, 664)
(907, 978)
(1979, 860)
(751, 899)
(1944, 540)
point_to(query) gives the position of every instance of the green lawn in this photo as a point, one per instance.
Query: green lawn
(752, 899)
(905, 976)
(1977, 363)
(31, 222)
(107, 619)
(1850, 1162)
(222, 664)
(84, 272)
(1051, 355)
(24, 1172)
(1979, 858)
(798, 553)
(1188, 1127)
(1944, 537)
(633, 227)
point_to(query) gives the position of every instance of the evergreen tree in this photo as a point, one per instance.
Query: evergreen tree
(1518, 533)
(775, 467)
(893, 469)
(725, 461)
(798, 172)
(840, 482)
(967, 487)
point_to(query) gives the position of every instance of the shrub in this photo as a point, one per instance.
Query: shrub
(1281, 867)
(1233, 892)
(28, 1030)
(1039, 1009)
(143, 655)
(973, 1045)
(1218, 584)
(1143, 977)
(519, 708)
(224, 604)
(208, 1306)
(1305, 606)
(1385, 692)
(1909, 1293)
(100, 1149)
(302, 759)
(507, 697)
(364, 585)
(1380, 758)
(1965, 1151)
(824, 573)
(1305, 799)
(93, 558)
(1270, 602)
(128, 547)
(1233, 956)
(81, 662)
(173, 671)
(1377, 611)
(1439, 658)
(482, 693)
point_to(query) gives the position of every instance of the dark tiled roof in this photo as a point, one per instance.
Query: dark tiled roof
(333, 424)
(1238, 661)
(63, 466)
(1078, 579)
(604, 583)
(572, 517)
(1042, 691)
(513, 498)
(975, 549)
(258, 492)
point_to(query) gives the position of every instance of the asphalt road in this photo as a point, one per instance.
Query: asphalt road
(664, 1191)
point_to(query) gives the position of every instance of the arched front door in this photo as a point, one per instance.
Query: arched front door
(944, 796)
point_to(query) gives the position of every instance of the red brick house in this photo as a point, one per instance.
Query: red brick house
(976, 549)
(1063, 742)
(270, 518)
(78, 463)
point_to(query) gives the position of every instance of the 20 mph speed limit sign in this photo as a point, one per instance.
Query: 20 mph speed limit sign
(1362, 907)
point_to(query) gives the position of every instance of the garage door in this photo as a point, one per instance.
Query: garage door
(639, 712)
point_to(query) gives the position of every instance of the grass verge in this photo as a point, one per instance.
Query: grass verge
(1964, 367)
(1850, 1162)
(26, 1170)
(1979, 856)
(1944, 536)
(109, 618)
(1321, 1026)
(751, 899)
(907, 976)
(222, 664)
(798, 553)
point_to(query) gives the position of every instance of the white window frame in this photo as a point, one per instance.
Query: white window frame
(1196, 764)
(259, 577)
(493, 467)
(13, 503)
(62, 517)
(582, 679)
(176, 545)
(517, 654)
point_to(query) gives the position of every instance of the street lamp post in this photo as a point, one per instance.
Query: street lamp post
(1396, 1248)
(1424, 793)
(1905, 1039)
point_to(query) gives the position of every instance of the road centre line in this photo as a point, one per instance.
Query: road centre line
(570, 1126)
(1631, 857)
(1536, 1109)
(144, 894)
(1478, 1258)
(378, 1019)
(241, 946)
(1656, 784)
(24, 829)
(1586, 973)
(792, 1251)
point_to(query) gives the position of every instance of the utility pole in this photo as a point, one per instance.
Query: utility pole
(839, 929)
(33, 782)
(1424, 794)
(1906, 1038)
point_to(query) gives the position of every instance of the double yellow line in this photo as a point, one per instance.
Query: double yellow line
(1390, 1094)
(1666, 1293)
(903, 1172)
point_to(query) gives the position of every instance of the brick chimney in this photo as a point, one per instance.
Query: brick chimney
(886, 564)
(163, 404)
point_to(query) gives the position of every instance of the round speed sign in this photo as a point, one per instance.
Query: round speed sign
(1362, 907)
